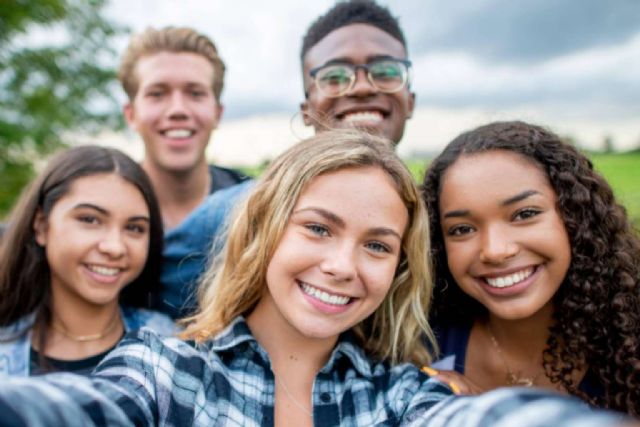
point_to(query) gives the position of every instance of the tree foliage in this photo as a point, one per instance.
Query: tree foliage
(56, 77)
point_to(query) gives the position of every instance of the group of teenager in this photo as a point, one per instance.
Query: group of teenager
(333, 290)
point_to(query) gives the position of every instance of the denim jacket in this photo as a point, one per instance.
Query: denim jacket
(187, 249)
(15, 339)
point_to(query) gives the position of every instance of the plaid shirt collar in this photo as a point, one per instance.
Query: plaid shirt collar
(237, 337)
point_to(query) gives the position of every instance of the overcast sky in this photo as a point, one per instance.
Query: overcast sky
(568, 59)
(580, 53)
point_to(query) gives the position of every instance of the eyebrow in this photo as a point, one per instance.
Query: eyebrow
(335, 219)
(506, 202)
(519, 197)
(346, 60)
(103, 211)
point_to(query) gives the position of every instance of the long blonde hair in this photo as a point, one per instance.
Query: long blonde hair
(235, 282)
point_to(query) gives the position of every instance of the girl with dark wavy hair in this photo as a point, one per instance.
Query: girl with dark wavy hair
(536, 268)
(85, 238)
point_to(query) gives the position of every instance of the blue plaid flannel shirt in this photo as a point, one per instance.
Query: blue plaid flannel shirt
(228, 381)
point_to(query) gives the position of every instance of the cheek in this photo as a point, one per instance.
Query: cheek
(379, 278)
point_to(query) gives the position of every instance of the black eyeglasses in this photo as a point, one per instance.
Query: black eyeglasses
(387, 75)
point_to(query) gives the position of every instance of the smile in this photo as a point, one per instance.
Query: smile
(178, 133)
(323, 296)
(363, 117)
(509, 279)
(104, 271)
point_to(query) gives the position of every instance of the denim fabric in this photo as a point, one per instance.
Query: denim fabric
(187, 248)
(15, 339)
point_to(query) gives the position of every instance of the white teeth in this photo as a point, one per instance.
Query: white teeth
(324, 296)
(178, 133)
(105, 271)
(363, 116)
(509, 280)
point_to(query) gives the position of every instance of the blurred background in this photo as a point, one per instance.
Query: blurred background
(573, 65)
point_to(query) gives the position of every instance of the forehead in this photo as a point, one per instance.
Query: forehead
(173, 67)
(359, 195)
(107, 190)
(492, 175)
(356, 43)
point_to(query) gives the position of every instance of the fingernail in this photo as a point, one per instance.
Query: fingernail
(429, 371)
(454, 387)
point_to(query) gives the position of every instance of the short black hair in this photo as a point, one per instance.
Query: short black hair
(352, 12)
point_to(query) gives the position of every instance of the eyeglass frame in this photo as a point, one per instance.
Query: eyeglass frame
(407, 63)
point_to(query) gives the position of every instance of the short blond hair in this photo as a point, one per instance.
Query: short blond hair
(168, 39)
(235, 282)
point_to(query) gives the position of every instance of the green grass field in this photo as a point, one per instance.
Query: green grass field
(622, 171)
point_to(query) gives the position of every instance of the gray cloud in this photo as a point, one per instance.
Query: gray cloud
(517, 30)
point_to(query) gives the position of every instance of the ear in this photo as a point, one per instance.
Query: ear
(218, 114)
(129, 114)
(412, 103)
(40, 227)
(304, 109)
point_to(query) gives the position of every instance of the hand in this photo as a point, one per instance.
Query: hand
(456, 381)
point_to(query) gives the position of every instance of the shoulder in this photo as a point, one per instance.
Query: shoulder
(145, 351)
(137, 318)
(222, 177)
(408, 391)
(17, 329)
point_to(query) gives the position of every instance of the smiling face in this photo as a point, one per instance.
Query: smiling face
(96, 239)
(364, 106)
(338, 255)
(174, 109)
(507, 246)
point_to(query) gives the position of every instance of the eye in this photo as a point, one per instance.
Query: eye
(198, 93)
(318, 229)
(378, 247)
(88, 219)
(156, 93)
(526, 213)
(460, 230)
(137, 228)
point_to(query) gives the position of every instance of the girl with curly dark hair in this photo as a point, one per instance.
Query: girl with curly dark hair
(537, 268)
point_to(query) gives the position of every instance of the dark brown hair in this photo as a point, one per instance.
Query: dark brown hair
(24, 271)
(597, 308)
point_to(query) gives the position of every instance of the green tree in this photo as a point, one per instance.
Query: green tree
(51, 88)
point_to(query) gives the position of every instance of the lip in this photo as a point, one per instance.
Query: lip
(101, 278)
(362, 109)
(179, 142)
(321, 305)
(512, 290)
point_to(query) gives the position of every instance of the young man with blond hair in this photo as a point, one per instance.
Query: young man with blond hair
(173, 78)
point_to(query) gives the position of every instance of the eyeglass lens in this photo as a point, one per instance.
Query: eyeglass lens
(386, 76)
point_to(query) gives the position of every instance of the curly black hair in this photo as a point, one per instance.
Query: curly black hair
(352, 12)
(597, 308)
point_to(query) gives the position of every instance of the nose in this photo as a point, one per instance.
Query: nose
(177, 107)
(339, 262)
(112, 244)
(362, 86)
(498, 245)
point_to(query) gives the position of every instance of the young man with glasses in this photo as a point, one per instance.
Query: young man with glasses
(356, 74)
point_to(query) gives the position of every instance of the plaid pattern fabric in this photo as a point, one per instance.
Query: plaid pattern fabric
(228, 381)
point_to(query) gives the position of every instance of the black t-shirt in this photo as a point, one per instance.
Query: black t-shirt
(224, 177)
(80, 367)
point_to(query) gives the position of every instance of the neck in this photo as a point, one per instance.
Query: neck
(288, 349)
(180, 192)
(523, 338)
(83, 319)
(73, 317)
